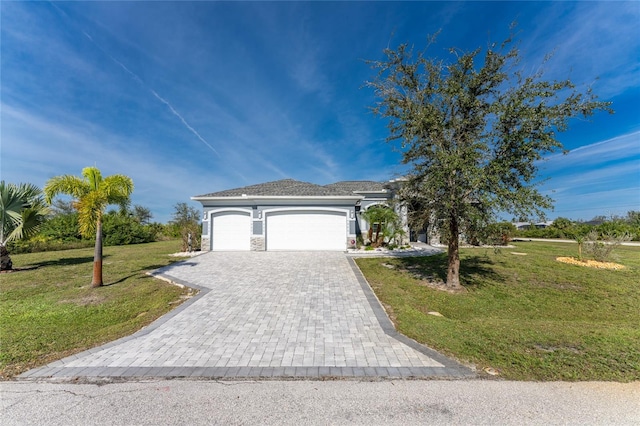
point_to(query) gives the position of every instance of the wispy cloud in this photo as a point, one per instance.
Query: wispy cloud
(582, 181)
(142, 83)
(58, 148)
(619, 148)
(600, 178)
(607, 202)
(590, 43)
(196, 97)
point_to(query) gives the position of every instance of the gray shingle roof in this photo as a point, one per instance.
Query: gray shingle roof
(282, 188)
(357, 186)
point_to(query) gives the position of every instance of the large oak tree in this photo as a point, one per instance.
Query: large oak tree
(473, 127)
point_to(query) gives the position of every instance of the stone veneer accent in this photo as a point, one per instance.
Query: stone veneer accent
(351, 245)
(205, 244)
(433, 236)
(257, 244)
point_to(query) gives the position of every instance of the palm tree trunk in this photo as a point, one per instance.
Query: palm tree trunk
(97, 257)
(5, 260)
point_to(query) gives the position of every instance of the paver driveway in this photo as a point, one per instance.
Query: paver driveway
(265, 314)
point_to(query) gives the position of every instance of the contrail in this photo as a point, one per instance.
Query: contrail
(139, 80)
(131, 73)
(161, 99)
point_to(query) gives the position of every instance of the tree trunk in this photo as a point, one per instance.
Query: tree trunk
(97, 257)
(453, 252)
(5, 260)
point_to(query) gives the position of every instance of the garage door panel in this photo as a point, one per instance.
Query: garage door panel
(306, 230)
(231, 231)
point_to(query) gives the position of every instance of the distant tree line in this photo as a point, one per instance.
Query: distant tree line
(120, 227)
(60, 228)
(614, 226)
(600, 228)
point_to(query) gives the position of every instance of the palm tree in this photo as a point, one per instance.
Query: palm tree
(92, 194)
(22, 211)
(381, 217)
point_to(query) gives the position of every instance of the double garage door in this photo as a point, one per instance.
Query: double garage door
(306, 230)
(287, 230)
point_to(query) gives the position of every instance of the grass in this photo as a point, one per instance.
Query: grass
(527, 316)
(51, 311)
(530, 317)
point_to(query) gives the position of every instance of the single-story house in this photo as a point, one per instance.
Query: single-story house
(291, 215)
(529, 225)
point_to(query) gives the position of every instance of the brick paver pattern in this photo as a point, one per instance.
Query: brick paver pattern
(304, 314)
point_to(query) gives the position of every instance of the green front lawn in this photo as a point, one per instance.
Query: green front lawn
(528, 316)
(51, 311)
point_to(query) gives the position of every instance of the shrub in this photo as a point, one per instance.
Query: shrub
(119, 230)
(497, 234)
(39, 244)
(159, 231)
(601, 250)
(384, 225)
(616, 229)
(62, 227)
(185, 223)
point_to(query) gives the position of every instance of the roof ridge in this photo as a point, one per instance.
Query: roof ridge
(358, 186)
(282, 187)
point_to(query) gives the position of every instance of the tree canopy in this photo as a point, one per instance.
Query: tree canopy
(142, 214)
(22, 212)
(385, 220)
(186, 222)
(473, 127)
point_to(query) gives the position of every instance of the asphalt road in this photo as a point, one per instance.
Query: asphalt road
(173, 402)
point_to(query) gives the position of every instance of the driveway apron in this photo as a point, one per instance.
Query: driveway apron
(264, 314)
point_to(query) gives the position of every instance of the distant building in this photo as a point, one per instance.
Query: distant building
(529, 225)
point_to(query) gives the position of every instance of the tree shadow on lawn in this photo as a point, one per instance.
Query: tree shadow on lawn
(67, 261)
(149, 268)
(119, 280)
(173, 265)
(474, 270)
(140, 272)
(80, 260)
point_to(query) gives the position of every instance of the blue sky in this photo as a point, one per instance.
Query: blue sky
(195, 97)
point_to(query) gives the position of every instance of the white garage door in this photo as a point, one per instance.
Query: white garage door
(231, 231)
(302, 230)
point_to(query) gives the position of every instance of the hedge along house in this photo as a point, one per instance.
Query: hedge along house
(289, 215)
